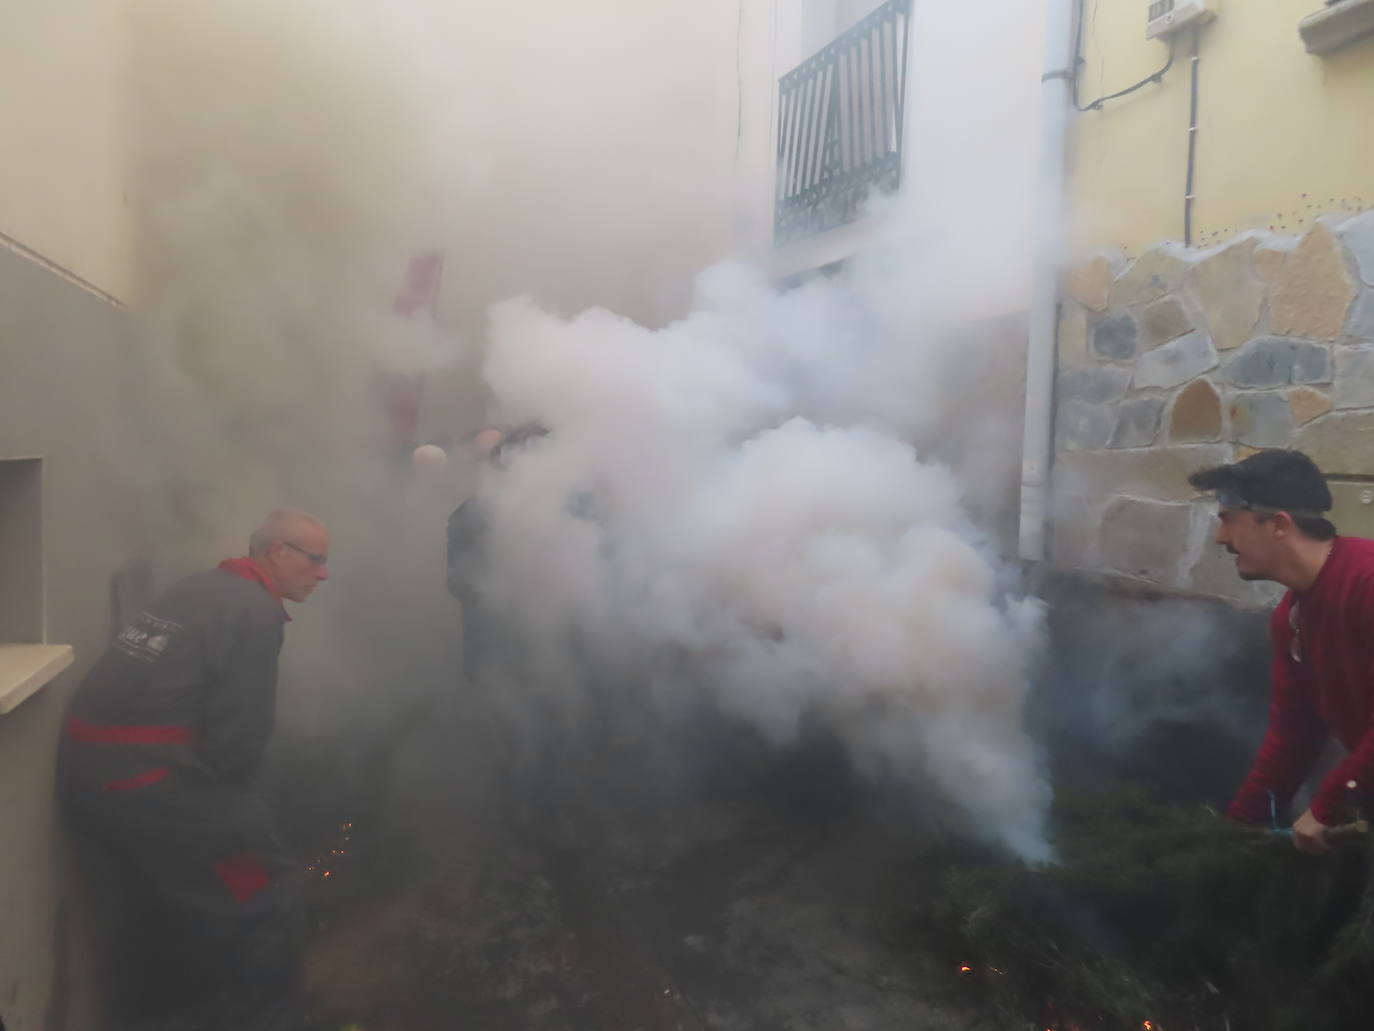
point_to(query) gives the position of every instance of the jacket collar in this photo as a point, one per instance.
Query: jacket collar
(249, 569)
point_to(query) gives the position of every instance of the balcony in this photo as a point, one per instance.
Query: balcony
(840, 118)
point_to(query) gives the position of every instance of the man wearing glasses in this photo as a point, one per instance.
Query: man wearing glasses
(161, 749)
(1272, 512)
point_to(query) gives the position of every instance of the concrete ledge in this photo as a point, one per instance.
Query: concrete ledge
(1338, 24)
(25, 668)
(1127, 586)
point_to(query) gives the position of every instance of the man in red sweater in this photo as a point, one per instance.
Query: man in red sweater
(1273, 509)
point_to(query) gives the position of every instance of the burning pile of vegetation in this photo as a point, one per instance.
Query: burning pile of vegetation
(1161, 917)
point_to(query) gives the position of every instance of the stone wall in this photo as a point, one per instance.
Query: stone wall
(1184, 358)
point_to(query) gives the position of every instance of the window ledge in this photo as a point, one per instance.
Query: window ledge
(25, 668)
(1336, 25)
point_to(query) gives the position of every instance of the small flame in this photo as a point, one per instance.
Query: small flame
(327, 874)
(964, 968)
(1148, 1026)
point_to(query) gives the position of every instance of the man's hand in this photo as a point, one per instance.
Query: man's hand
(1309, 835)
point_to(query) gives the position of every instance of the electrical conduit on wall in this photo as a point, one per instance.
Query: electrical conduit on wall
(1056, 97)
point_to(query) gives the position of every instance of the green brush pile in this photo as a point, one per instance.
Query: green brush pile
(1161, 914)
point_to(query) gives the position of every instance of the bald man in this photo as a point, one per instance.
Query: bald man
(161, 749)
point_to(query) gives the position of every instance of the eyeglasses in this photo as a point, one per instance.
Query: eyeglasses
(315, 560)
(1294, 642)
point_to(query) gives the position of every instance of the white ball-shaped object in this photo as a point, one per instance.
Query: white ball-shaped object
(429, 458)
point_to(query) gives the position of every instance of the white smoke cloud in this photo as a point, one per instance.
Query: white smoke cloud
(735, 490)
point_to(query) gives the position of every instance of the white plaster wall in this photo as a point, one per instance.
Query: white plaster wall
(972, 141)
(63, 188)
(971, 138)
(602, 149)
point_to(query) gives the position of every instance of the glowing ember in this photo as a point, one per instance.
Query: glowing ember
(317, 866)
(1148, 1026)
(965, 969)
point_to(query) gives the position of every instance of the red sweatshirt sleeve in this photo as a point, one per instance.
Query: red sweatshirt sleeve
(1331, 804)
(1292, 743)
(1333, 800)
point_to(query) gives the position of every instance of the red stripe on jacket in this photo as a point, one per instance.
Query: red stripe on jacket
(138, 780)
(93, 734)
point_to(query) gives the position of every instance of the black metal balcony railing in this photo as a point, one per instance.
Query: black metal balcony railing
(840, 125)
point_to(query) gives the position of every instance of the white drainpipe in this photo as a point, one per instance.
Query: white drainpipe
(1038, 442)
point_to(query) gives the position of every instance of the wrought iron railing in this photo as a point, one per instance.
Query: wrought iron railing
(840, 125)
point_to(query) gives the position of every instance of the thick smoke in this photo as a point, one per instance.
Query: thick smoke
(289, 160)
(785, 504)
(738, 491)
(1129, 680)
(289, 165)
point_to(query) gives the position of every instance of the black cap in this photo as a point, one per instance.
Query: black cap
(1284, 481)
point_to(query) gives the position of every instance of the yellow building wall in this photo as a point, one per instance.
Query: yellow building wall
(63, 194)
(1284, 136)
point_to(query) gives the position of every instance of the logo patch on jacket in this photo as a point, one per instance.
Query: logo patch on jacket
(147, 637)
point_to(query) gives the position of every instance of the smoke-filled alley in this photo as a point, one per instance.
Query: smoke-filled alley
(734, 515)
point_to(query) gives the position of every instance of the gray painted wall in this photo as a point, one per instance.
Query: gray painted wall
(63, 399)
